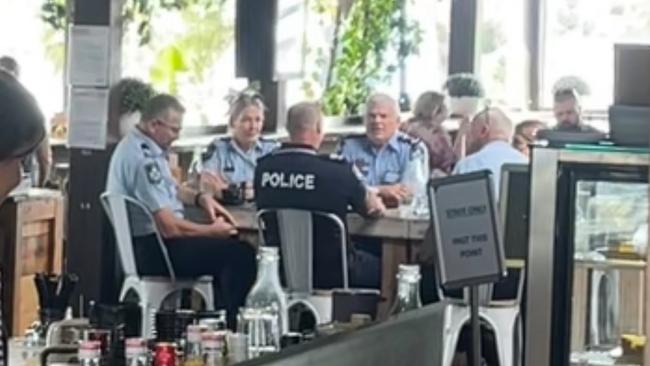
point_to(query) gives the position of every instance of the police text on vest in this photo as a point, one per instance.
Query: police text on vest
(291, 180)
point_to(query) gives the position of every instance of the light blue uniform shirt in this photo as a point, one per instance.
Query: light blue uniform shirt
(139, 169)
(224, 156)
(402, 160)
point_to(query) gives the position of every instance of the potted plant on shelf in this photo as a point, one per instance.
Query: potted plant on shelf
(465, 92)
(127, 99)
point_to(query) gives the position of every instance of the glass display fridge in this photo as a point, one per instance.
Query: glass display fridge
(587, 256)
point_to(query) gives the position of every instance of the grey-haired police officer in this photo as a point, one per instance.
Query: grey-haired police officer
(296, 176)
(139, 169)
(389, 160)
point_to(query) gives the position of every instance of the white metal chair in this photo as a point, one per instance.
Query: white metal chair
(151, 291)
(502, 316)
(295, 230)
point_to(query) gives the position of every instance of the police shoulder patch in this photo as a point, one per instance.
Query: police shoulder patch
(154, 175)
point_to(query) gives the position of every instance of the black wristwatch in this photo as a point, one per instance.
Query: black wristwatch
(197, 198)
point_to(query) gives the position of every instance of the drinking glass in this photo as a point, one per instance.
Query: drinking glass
(262, 326)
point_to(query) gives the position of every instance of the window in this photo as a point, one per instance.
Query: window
(425, 71)
(579, 38)
(30, 41)
(428, 70)
(501, 52)
(192, 55)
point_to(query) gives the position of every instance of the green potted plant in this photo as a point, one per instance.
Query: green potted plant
(134, 95)
(465, 92)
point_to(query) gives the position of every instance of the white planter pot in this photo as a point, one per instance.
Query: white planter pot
(465, 106)
(128, 121)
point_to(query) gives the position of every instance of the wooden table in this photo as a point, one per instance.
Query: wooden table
(399, 234)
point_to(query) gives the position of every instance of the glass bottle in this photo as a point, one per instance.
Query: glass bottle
(193, 347)
(136, 352)
(408, 289)
(213, 343)
(267, 291)
(89, 353)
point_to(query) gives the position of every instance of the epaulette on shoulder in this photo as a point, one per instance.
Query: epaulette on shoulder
(146, 150)
(225, 138)
(210, 151)
(408, 139)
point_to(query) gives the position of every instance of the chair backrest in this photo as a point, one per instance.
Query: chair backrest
(296, 234)
(118, 208)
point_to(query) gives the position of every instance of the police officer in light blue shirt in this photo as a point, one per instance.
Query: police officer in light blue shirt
(232, 160)
(139, 169)
(395, 164)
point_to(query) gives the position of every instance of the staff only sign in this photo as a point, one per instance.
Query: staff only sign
(468, 241)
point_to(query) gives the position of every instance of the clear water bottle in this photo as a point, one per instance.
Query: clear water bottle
(408, 289)
(136, 352)
(89, 353)
(193, 347)
(267, 291)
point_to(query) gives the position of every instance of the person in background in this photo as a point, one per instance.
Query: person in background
(325, 183)
(429, 113)
(232, 160)
(488, 145)
(42, 156)
(140, 170)
(568, 112)
(23, 129)
(391, 162)
(525, 134)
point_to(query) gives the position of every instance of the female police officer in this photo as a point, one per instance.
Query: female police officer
(232, 160)
(22, 128)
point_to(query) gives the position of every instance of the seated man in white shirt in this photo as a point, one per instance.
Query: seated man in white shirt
(488, 145)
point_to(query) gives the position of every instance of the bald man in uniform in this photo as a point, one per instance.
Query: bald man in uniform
(488, 145)
(296, 176)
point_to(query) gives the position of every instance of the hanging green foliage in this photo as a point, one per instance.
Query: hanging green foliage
(361, 59)
(169, 64)
(53, 12)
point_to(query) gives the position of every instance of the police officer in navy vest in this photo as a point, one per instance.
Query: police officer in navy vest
(139, 169)
(296, 176)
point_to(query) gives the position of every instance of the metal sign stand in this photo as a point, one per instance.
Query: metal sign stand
(475, 353)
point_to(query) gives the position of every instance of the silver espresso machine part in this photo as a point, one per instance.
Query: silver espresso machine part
(66, 332)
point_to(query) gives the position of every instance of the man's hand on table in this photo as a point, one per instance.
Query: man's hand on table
(222, 229)
(374, 206)
(394, 194)
(215, 210)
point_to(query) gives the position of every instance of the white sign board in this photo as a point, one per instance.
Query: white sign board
(468, 241)
(89, 56)
(88, 116)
